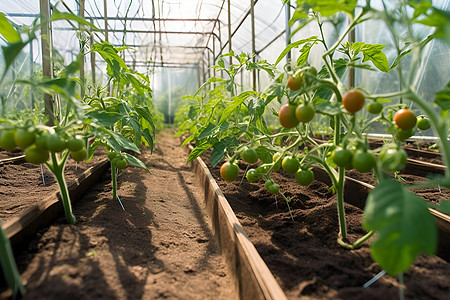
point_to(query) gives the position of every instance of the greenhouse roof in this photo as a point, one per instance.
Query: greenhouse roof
(166, 33)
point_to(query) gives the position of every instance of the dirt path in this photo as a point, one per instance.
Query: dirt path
(160, 247)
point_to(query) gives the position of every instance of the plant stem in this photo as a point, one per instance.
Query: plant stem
(114, 181)
(340, 204)
(9, 266)
(58, 172)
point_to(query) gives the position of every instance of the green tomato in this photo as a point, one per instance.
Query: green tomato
(55, 143)
(305, 113)
(35, 155)
(253, 175)
(374, 107)
(341, 157)
(249, 155)
(290, 164)
(393, 159)
(402, 135)
(7, 141)
(363, 161)
(272, 187)
(277, 165)
(112, 154)
(423, 123)
(24, 138)
(304, 177)
(75, 144)
(229, 171)
(79, 155)
(120, 162)
(41, 141)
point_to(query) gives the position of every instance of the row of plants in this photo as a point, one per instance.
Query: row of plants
(118, 116)
(235, 126)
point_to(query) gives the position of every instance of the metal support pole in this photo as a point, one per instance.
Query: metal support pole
(351, 70)
(91, 43)
(46, 57)
(229, 31)
(81, 14)
(31, 73)
(288, 30)
(106, 19)
(252, 19)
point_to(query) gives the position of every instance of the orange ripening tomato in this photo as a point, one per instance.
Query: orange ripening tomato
(287, 116)
(405, 119)
(353, 101)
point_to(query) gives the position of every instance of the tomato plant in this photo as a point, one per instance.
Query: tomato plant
(353, 101)
(405, 119)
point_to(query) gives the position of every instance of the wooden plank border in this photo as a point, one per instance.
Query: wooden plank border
(252, 277)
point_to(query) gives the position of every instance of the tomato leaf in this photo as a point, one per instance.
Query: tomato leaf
(135, 162)
(329, 108)
(56, 15)
(264, 154)
(218, 152)
(295, 45)
(208, 131)
(8, 31)
(104, 118)
(197, 151)
(237, 101)
(404, 225)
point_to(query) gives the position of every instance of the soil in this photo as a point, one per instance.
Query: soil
(303, 254)
(160, 247)
(22, 185)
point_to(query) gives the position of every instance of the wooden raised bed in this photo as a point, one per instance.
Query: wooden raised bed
(259, 281)
(252, 277)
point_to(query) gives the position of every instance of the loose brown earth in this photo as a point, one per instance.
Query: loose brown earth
(304, 256)
(160, 247)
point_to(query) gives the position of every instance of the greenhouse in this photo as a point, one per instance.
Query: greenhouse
(223, 149)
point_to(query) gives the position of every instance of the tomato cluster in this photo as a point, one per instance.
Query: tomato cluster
(38, 144)
(118, 160)
(291, 115)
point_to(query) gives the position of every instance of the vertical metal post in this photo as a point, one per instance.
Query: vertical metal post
(46, 58)
(31, 73)
(214, 56)
(209, 63)
(252, 18)
(351, 70)
(91, 43)
(230, 48)
(106, 19)
(81, 14)
(198, 76)
(288, 30)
